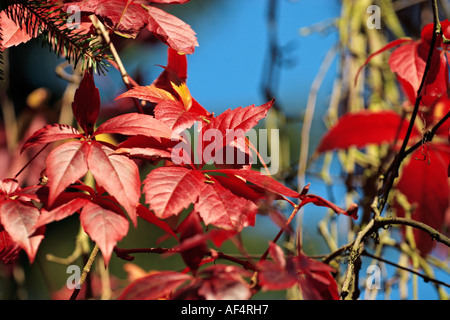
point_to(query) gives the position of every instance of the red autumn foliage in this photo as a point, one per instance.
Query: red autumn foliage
(194, 192)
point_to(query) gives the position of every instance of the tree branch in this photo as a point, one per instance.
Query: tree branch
(435, 235)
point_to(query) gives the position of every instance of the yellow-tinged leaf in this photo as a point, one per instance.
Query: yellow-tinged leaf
(184, 93)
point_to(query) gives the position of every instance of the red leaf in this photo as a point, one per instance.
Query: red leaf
(156, 285)
(189, 228)
(9, 186)
(172, 31)
(9, 250)
(231, 125)
(61, 212)
(146, 147)
(313, 277)
(103, 226)
(147, 93)
(175, 116)
(132, 124)
(240, 188)
(125, 18)
(364, 128)
(425, 184)
(65, 165)
(221, 208)
(409, 61)
(27, 193)
(19, 220)
(117, 174)
(316, 281)
(86, 103)
(217, 237)
(149, 216)
(13, 34)
(217, 282)
(390, 45)
(51, 133)
(278, 274)
(169, 190)
(436, 112)
(175, 71)
(259, 179)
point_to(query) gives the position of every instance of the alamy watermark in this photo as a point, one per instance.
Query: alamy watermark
(373, 280)
(374, 20)
(74, 19)
(229, 147)
(73, 281)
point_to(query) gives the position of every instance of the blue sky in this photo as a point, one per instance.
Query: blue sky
(226, 69)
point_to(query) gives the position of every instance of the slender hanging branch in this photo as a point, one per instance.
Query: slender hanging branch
(393, 174)
(423, 276)
(357, 246)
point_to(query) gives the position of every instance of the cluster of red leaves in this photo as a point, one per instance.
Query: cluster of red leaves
(224, 199)
(314, 279)
(18, 217)
(424, 178)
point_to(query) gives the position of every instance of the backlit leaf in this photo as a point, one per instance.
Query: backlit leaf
(103, 226)
(51, 133)
(364, 128)
(172, 31)
(65, 165)
(169, 190)
(19, 220)
(117, 174)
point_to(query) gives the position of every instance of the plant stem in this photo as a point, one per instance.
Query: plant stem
(435, 235)
(29, 161)
(289, 220)
(378, 222)
(86, 270)
(393, 174)
(423, 276)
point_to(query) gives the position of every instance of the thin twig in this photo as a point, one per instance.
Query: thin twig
(393, 174)
(123, 72)
(289, 220)
(309, 114)
(423, 276)
(126, 255)
(429, 135)
(86, 270)
(29, 161)
(381, 222)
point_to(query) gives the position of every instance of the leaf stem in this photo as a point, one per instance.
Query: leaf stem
(289, 220)
(86, 270)
(31, 160)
